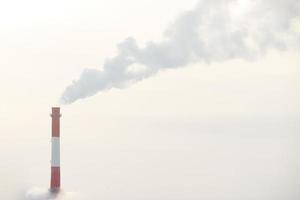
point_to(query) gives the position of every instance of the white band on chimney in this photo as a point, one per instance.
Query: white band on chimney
(55, 160)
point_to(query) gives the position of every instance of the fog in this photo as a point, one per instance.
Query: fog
(225, 130)
(218, 159)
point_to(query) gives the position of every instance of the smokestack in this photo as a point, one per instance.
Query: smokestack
(55, 153)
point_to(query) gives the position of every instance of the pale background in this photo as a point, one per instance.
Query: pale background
(228, 131)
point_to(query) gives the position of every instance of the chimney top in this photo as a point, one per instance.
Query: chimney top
(55, 112)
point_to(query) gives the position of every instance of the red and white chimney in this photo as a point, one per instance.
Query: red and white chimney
(55, 151)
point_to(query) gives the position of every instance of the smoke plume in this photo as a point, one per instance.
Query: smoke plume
(214, 31)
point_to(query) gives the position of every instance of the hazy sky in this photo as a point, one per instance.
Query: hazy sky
(221, 131)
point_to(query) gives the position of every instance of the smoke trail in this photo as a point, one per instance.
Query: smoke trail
(214, 31)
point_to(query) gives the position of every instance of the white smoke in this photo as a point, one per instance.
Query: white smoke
(214, 31)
